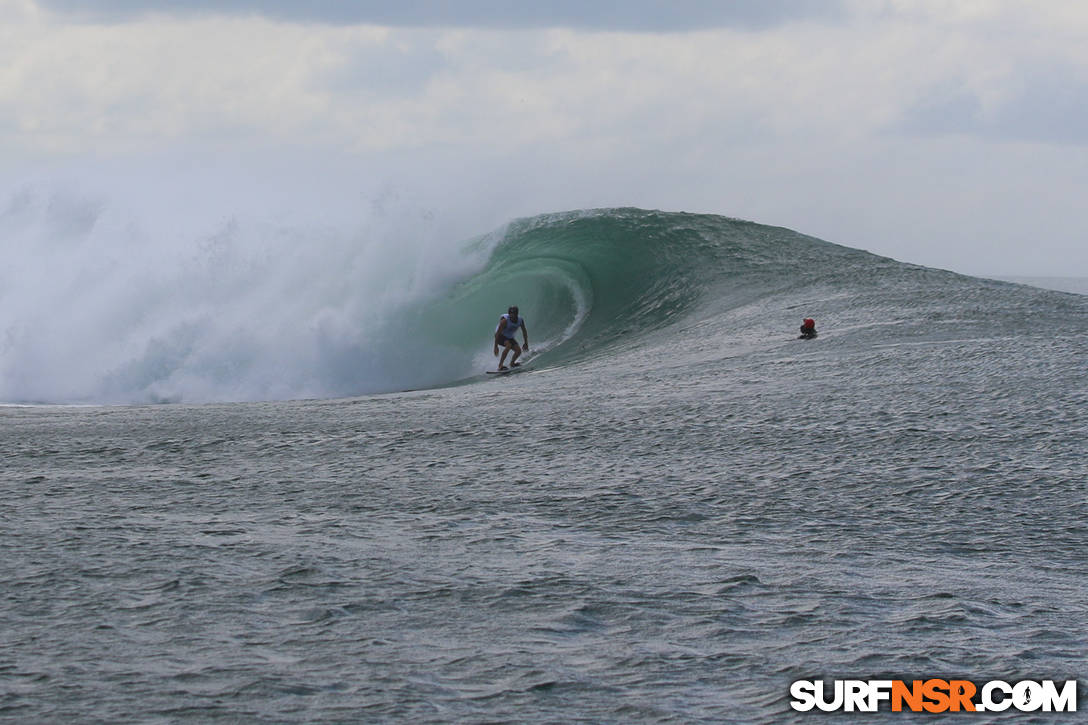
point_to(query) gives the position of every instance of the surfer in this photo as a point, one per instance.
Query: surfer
(504, 337)
(808, 329)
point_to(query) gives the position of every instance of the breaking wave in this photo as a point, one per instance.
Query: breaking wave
(95, 309)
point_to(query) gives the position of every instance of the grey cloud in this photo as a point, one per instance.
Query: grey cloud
(1050, 107)
(389, 70)
(620, 15)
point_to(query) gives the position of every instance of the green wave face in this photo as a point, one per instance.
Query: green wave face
(586, 280)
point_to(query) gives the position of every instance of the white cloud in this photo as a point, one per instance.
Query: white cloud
(250, 80)
(840, 129)
(134, 86)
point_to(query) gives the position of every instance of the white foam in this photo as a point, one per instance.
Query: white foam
(133, 290)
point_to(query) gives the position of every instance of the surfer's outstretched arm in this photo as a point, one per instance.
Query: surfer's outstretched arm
(525, 335)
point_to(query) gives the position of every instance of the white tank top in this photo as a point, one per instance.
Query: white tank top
(511, 327)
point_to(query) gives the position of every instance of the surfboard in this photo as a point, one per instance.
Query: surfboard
(515, 369)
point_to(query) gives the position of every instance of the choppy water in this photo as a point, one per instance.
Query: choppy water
(677, 511)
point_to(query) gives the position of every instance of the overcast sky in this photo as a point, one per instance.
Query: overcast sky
(950, 133)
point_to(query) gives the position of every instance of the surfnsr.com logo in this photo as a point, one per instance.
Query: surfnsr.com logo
(934, 695)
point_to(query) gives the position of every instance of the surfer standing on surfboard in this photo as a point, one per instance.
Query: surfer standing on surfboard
(504, 337)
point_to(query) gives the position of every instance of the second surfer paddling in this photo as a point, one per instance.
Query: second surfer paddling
(808, 329)
(504, 337)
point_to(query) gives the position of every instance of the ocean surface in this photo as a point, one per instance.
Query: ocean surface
(675, 509)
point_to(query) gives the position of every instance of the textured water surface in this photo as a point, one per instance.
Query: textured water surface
(668, 527)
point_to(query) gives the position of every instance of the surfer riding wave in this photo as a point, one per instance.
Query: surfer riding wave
(504, 337)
